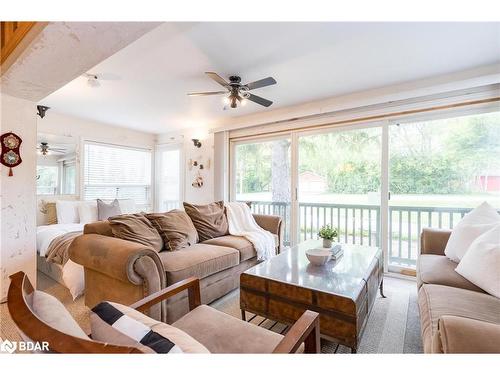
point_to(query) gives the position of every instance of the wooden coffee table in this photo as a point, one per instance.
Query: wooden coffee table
(342, 291)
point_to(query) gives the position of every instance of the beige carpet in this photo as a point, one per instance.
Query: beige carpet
(393, 326)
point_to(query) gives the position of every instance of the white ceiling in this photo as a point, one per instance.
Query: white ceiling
(148, 80)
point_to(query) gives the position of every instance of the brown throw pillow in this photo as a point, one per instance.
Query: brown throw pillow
(176, 229)
(51, 215)
(209, 220)
(136, 228)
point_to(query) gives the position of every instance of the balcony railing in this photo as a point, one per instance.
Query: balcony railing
(360, 224)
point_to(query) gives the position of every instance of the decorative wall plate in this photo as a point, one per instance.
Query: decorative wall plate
(10, 156)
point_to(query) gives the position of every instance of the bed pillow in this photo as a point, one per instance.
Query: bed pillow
(53, 313)
(105, 210)
(121, 325)
(176, 229)
(481, 263)
(475, 223)
(88, 211)
(50, 213)
(209, 220)
(136, 228)
(67, 212)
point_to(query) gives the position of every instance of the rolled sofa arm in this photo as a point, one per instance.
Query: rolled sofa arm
(271, 223)
(433, 241)
(132, 270)
(456, 334)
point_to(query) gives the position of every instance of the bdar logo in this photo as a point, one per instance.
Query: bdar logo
(8, 346)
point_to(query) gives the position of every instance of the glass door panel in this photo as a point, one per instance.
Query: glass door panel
(169, 172)
(262, 176)
(439, 170)
(339, 179)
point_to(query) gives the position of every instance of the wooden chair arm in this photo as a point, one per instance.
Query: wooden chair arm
(192, 284)
(305, 330)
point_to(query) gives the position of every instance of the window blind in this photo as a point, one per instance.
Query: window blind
(117, 172)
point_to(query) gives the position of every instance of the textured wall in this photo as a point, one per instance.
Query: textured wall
(18, 215)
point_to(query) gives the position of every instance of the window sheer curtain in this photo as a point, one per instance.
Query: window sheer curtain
(112, 171)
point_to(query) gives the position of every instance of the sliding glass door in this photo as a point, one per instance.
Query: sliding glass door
(169, 170)
(339, 180)
(261, 172)
(379, 184)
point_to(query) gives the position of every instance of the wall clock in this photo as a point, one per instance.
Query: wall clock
(10, 156)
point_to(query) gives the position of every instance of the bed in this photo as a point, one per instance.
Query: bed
(52, 243)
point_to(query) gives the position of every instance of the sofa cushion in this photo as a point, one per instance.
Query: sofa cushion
(176, 229)
(136, 228)
(438, 269)
(223, 333)
(200, 260)
(435, 301)
(241, 244)
(209, 220)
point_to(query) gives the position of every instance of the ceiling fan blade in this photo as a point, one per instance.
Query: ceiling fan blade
(259, 100)
(207, 93)
(217, 78)
(261, 83)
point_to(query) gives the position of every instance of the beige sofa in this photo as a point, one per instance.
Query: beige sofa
(125, 272)
(456, 316)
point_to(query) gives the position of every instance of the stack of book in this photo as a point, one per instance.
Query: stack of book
(337, 251)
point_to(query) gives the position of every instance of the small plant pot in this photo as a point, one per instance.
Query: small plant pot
(327, 243)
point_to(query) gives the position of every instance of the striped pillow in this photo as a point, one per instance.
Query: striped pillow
(140, 333)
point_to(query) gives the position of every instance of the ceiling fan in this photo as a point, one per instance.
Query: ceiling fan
(45, 149)
(238, 93)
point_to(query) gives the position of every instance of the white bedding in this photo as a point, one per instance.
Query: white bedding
(72, 273)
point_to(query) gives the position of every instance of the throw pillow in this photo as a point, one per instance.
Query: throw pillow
(51, 213)
(49, 309)
(121, 325)
(475, 223)
(88, 211)
(481, 263)
(105, 211)
(67, 212)
(209, 220)
(136, 228)
(176, 229)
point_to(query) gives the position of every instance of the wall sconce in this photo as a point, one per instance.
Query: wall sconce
(196, 142)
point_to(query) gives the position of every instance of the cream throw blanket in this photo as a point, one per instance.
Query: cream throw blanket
(242, 223)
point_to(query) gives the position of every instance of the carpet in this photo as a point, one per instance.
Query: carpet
(393, 325)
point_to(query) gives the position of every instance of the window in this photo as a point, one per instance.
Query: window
(68, 177)
(169, 177)
(46, 179)
(117, 172)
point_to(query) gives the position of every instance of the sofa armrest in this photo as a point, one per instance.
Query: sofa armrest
(433, 241)
(271, 223)
(457, 334)
(124, 260)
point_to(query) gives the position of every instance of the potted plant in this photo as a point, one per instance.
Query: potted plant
(328, 234)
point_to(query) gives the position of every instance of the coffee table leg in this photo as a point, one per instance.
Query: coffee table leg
(243, 315)
(381, 288)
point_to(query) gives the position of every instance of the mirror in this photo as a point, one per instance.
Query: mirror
(57, 163)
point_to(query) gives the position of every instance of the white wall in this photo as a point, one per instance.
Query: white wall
(18, 243)
(194, 195)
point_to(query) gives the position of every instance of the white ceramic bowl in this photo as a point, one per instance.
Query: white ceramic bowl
(318, 257)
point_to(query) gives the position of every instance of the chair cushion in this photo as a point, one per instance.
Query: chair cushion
(435, 301)
(121, 325)
(222, 333)
(49, 309)
(209, 220)
(200, 260)
(241, 244)
(438, 269)
(176, 229)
